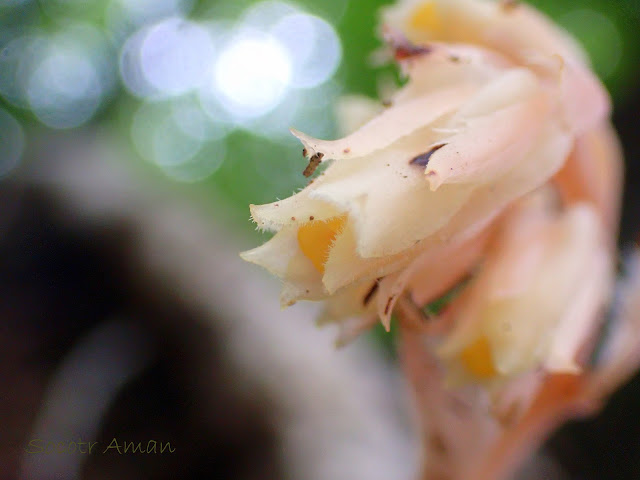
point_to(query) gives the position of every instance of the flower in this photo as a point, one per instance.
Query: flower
(482, 430)
(495, 163)
(496, 101)
(537, 298)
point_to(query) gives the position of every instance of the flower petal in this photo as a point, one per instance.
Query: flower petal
(392, 124)
(583, 316)
(406, 213)
(513, 32)
(294, 210)
(344, 266)
(542, 162)
(585, 101)
(449, 64)
(282, 257)
(620, 355)
(431, 274)
(509, 87)
(489, 145)
(593, 173)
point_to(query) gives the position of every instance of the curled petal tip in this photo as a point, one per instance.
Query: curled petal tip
(252, 209)
(285, 303)
(248, 255)
(295, 132)
(256, 217)
(386, 323)
(309, 151)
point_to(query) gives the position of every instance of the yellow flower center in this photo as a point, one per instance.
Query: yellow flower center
(316, 238)
(477, 359)
(426, 17)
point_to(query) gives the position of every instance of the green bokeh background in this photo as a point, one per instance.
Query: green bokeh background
(606, 28)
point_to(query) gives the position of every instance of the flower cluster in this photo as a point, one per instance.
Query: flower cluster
(494, 165)
(499, 103)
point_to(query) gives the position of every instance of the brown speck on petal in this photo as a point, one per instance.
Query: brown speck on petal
(304, 152)
(346, 150)
(387, 103)
(314, 161)
(423, 158)
(311, 217)
(454, 58)
(293, 218)
(374, 288)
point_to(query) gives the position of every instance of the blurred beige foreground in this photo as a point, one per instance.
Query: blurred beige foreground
(337, 414)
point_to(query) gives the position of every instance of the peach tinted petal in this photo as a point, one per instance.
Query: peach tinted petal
(489, 145)
(620, 355)
(583, 316)
(585, 101)
(435, 274)
(559, 399)
(390, 125)
(543, 161)
(593, 173)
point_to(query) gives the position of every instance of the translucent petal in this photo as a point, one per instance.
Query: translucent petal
(583, 315)
(585, 101)
(449, 64)
(489, 145)
(392, 124)
(511, 86)
(294, 210)
(282, 257)
(431, 274)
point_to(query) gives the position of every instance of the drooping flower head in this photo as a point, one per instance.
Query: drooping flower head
(496, 164)
(496, 100)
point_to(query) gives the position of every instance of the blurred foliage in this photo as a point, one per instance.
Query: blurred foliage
(608, 30)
